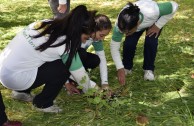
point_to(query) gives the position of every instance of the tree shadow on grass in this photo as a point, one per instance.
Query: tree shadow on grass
(19, 19)
(23, 16)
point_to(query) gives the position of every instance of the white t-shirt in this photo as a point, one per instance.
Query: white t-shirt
(19, 61)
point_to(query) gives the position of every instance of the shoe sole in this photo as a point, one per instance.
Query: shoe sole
(22, 99)
(46, 111)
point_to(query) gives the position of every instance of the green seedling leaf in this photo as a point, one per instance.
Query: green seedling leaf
(80, 87)
(83, 80)
(97, 100)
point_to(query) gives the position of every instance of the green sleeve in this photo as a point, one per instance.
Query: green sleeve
(98, 46)
(165, 8)
(117, 35)
(76, 61)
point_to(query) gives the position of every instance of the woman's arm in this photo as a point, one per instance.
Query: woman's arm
(98, 47)
(78, 72)
(115, 47)
(167, 11)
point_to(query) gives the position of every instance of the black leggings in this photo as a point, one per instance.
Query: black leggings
(89, 60)
(53, 75)
(3, 116)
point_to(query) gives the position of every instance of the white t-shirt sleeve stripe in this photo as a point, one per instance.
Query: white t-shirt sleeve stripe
(114, 47)
(164, 19)
(62, 1)
(103, 67)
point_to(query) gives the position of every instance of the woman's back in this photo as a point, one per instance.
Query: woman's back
(20, 60)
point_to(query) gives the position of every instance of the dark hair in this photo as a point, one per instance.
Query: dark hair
(79, 21)
(102, 22)
(128, 17)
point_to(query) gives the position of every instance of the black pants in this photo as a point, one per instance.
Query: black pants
(150, 50)
(53, 75)
(3, 116)
(89, 60)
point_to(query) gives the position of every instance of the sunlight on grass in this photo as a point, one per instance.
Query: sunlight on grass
(139, 60)
(172, 95)
(186, 14)
(115, 4)
(172, 76)
(12, 30)
(110, 63)
(188, 50)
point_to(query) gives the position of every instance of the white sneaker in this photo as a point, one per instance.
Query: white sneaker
(51, 109)
(22, 96)
(149, 75)
(128, 71)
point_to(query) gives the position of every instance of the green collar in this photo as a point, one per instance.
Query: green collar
(141, 17)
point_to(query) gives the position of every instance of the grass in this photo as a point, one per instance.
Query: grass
(169, 100)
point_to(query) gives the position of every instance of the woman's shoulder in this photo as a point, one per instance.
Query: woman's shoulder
(38, 23)
(148, 8)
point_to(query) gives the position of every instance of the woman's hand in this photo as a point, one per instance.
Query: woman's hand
(121, 76)
(153, 30)
(62, 8)
(71, 88)
(105, 88)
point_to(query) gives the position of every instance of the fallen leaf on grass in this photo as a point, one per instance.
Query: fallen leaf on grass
(192, 76)
(142, 120)
(88, 110)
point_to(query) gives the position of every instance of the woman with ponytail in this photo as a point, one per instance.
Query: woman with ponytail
(133, 20)
(91, 60)
(45, 52)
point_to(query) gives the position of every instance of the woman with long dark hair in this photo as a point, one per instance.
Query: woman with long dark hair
(44, 53)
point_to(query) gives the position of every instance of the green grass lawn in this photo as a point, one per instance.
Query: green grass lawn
(167, 101)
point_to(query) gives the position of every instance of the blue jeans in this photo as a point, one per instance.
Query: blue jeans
(150, 50)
